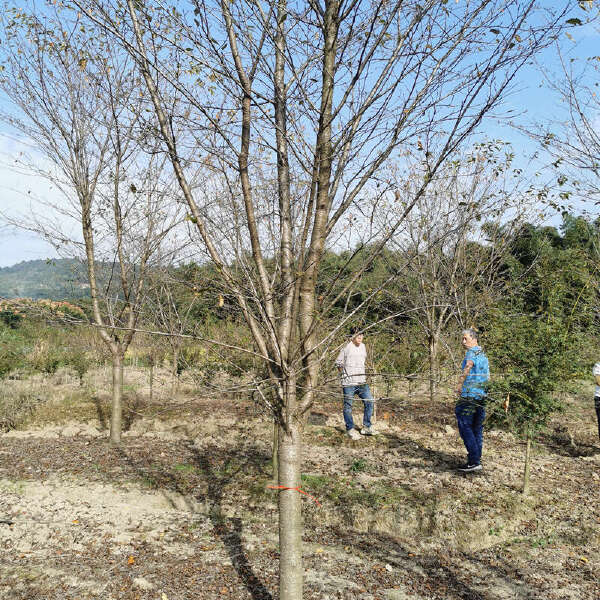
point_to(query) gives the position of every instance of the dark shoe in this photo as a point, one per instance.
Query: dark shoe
(469, 468)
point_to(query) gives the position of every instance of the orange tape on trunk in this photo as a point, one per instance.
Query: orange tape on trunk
(283, 487)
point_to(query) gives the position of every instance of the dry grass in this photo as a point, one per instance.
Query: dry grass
(393, 499)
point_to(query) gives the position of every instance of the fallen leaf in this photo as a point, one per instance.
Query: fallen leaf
(130, 560)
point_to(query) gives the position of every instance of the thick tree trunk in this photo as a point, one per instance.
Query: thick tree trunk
(290, 514)
(527, 465)
(116, 416)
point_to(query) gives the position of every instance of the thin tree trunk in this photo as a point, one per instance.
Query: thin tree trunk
(527, 465)
(275, 452)
(432, 366)
(290, 514)
(175, 361)
(374, 394)
(174, 370)
(151, 379)
(116, 416)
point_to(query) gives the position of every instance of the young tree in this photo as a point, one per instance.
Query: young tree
(297, 109)
(79, 104)
(169, 313)
(453, 248)
(535, 337)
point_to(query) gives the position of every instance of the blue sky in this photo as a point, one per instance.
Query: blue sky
(15, 199)
(529, 97)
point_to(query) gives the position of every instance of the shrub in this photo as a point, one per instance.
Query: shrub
(11, 318)
(46, 358)
(9, 361)
(79, 362)
(15, 407)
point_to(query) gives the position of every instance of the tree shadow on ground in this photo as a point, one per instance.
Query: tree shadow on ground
(230, 529)
(441, 572)
(132, 406)
(562, 442)
(132, 409)
(419, 412)
(218, 468)
(100, 412)
(437, 460)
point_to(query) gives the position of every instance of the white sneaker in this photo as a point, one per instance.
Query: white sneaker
(369, 431)
(353, 434)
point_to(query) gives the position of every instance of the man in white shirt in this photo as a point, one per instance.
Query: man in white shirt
(596, 373)
(351, 366)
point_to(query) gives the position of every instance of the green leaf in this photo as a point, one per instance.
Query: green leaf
(574, 21)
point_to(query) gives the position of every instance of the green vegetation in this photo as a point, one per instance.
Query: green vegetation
(345, 492)
(359, 465)
(57, 279)
(539, 337)
(545, 334)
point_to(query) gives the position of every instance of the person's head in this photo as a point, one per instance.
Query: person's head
(356, 336)
(470, 338)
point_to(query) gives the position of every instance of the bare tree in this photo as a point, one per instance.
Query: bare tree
(80, 106)
(453, 244)
(170, 313)
(296, 109)
(572, 138)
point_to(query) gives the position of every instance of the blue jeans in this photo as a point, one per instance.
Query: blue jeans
(470, 417)
(364, 393)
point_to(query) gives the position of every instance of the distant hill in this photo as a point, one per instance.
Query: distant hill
(56, 279)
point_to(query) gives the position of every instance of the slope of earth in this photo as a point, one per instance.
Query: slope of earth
(182, 510)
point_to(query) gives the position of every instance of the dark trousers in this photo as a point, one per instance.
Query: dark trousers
(470, 417)
(597, 405)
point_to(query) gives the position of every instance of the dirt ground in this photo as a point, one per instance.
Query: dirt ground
(182, 510)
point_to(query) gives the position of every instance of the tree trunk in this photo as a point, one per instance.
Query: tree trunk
(275, 452)
(527, 465)
(433, 343)
(290, 513)
(151, 379)
(174, 370)
(374, 394)
(116, 416)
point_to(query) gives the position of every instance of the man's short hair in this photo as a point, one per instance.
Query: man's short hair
(355, 331)
(472, 334)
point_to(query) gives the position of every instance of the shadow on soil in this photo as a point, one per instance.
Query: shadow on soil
(132, 407)
(443, 575)
(218, 469)
(562, 442)
(437, 460)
